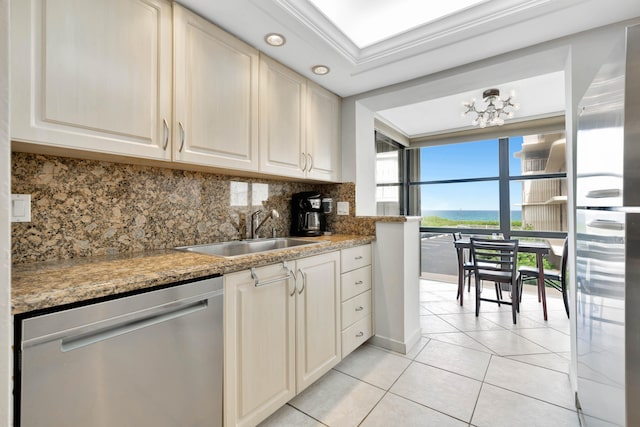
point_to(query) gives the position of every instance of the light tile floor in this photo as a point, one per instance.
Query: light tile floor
(465, 371)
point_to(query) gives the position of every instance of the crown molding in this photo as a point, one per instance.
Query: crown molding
(466, 24)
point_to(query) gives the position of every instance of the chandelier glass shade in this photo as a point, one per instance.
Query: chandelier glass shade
(496, 111)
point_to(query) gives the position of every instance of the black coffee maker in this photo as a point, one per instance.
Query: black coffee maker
(307, 218)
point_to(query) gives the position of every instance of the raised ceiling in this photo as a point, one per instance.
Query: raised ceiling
(379, 20)
(365, 50)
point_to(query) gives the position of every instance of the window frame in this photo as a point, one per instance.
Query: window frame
(403, 167)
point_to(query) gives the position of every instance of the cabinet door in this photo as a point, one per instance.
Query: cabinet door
(92, 75)
(259, 345)
(323, 134)
(216, 95)
(318, 327)
(282, 120)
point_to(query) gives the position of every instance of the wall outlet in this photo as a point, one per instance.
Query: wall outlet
(343, 208)
(21, 208)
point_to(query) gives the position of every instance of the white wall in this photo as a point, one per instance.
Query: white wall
(5, 226)
(359, 154)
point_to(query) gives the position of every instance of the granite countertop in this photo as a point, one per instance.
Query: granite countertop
(49, 284)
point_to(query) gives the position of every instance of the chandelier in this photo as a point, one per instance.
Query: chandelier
(496, 111)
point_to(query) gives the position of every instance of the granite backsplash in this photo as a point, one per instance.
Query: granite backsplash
(86, 208)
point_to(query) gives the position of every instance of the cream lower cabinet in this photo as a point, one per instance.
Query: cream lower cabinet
(282, 332)
(92, 75)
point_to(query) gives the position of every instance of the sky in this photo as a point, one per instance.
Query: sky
(467, 160)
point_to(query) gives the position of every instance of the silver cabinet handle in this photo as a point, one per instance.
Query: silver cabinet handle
(291, 274)
(359, 334)
(165, 129)
(359, 282)
(304, 159)
(358, 258)
(304, 281)
(360, 308)
(310, 162)
(182, 137)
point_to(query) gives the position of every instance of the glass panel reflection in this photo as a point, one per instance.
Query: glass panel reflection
(537, 154)
(539, 204)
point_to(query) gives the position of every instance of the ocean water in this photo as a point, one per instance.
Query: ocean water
(462, 215)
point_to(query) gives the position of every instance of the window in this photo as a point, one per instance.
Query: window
(462, 204)
(515, 185)
(458, 185)
(459, 161)
(390, 172)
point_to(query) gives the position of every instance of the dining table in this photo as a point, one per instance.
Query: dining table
(539, 248)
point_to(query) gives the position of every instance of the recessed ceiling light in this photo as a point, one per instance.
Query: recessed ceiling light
(320, 70)
(275, 39)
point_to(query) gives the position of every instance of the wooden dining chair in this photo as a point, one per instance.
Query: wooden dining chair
(556, 279)
(496, 261)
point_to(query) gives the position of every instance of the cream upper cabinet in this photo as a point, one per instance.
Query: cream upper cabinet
(215, 95)
(323, 140)
(299, 125)
(93, 76)
(259, 343)
(282, 120)
(318, 328)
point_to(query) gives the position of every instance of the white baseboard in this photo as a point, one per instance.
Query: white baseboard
(395, 345)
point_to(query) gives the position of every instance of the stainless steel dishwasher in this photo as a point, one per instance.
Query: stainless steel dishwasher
(149, 359)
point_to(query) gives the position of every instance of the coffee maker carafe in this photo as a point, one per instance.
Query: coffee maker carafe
(307, 218)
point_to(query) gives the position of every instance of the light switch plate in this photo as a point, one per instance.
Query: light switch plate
(343, 208)
(21, 208)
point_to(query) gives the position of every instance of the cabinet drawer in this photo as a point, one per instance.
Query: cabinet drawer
(355, 309)
(355, 282)
(356, 257)
(355, 335)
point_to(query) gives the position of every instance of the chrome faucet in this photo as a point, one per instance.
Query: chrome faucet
(255, 218)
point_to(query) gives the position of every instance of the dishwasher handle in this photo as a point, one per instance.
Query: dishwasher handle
(85, 339)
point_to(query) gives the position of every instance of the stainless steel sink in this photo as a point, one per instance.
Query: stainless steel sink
(246, 247)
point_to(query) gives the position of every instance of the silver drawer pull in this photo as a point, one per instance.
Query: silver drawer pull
(359, 308)
(359, 334)
(359, 282)
(359, 257)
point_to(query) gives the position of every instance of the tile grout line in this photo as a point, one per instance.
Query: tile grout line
(386, 391)
(482, 383)
(308, 415)
(531, 397)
